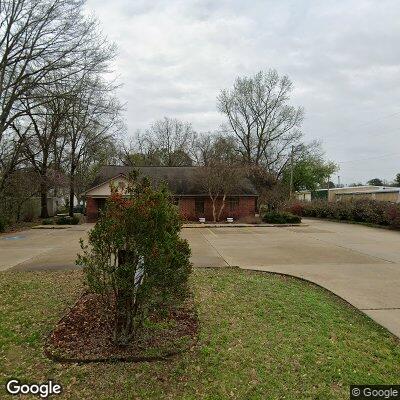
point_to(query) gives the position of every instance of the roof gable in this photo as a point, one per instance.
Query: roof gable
(181, 181)
(103, 189)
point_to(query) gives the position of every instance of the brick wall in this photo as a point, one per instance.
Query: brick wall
(245, 207)
(187, 208)
(91, 209)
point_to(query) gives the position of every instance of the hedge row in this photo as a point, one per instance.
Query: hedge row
(276, 217)
(357, 210)
(62, 220)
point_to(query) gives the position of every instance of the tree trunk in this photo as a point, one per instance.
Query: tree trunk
(126, 307)
(44, 212)
(19, 208)
(71, 192)
(222, 206)
(124, 311)
(214, 210)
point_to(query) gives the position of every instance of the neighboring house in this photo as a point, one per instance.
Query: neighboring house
(308, 195)
(31, 207)
(304, 195)
(185, 186)
(55, 203)
(378, 193)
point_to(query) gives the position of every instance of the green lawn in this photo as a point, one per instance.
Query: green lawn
(261, 336)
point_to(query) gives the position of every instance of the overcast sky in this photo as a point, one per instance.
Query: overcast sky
(343, 57)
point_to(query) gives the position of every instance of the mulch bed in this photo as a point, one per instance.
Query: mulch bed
(84, 335)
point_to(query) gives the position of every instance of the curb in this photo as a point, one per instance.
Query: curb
(242, 225)
(51, 226)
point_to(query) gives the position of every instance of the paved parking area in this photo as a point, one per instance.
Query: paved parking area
(358, 263)
(37, 249)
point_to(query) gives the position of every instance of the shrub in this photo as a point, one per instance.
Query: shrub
(275, 198)
(64, 220)
(135, 257)
(296, 209)
(357, 210)
(275, 217)
(67, 220)
(29, 216)
(75, 220)
(28, 210)
(48, 221)
(3, 224)
(393, 214)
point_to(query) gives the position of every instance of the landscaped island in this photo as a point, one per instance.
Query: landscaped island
(261, 336)
(136, 269)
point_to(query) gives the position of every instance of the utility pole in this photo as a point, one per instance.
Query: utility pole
(328, 188)
(291, 172)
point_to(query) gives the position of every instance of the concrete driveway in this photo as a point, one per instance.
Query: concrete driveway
(38, 249)
(360, 264)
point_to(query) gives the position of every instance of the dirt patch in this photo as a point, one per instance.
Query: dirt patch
(85, 335)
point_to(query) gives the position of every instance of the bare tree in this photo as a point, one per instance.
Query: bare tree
(220, 172)
(22, 186)
(93, 119)
(202, 148)
(167, 142)
(38, 39)
(98, 153)
(10, 154)
(44, 127)
(219, 180)
(264, 125)
(213, 147)
(137, 152)
(41, 43)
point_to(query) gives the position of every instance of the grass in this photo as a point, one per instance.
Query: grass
(261, 336)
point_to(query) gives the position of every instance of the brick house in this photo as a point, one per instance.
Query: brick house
(183, 182)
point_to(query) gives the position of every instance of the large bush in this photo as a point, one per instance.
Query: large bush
(2, 224)
(135, 258)
(357, 210)
(393, 214)
(67, 220)
(276, 217)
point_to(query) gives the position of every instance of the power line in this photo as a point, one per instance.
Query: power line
(378, 119)
(378, 135)
(369, 158)
(366, 124)
(366, 134)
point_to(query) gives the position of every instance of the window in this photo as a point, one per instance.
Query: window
(199, 206)
(233, 203)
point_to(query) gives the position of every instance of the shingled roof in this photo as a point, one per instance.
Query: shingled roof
(181, 181)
